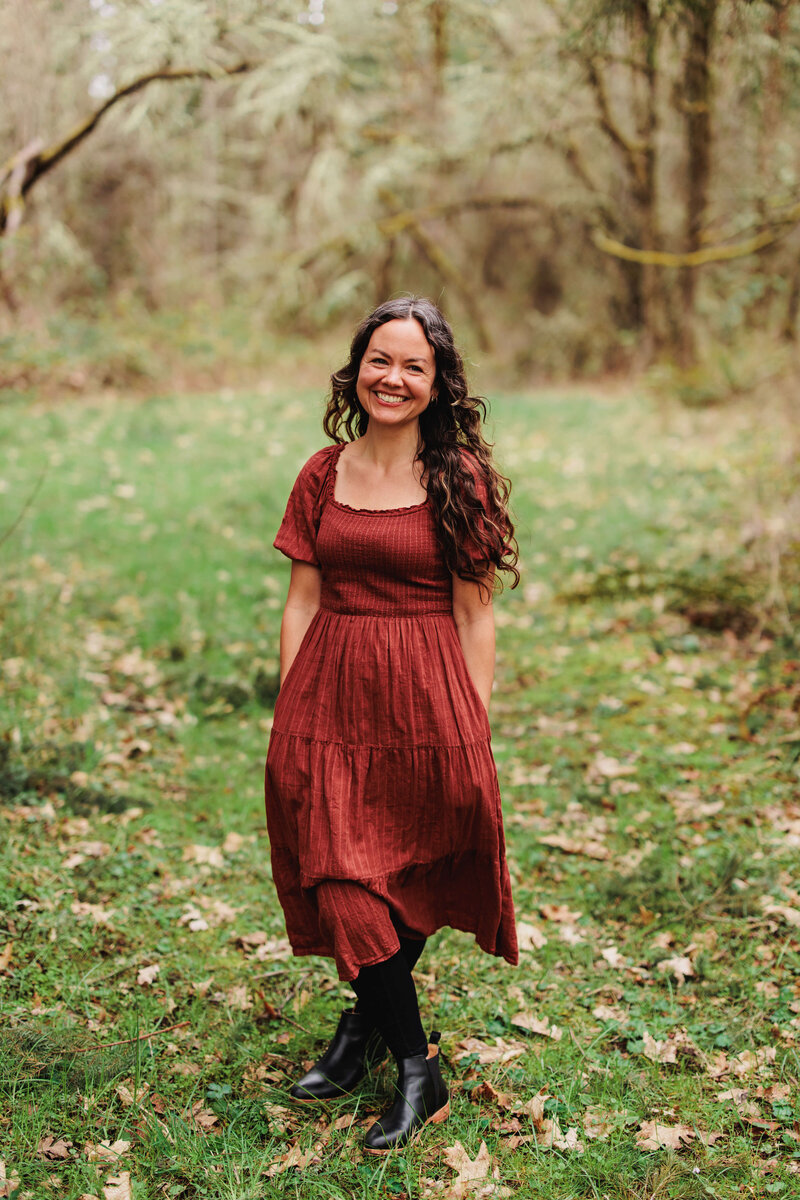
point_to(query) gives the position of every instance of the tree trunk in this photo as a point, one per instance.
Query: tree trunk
(701, 20)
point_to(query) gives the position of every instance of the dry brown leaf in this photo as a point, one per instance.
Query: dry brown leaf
(233, 842)
(465, 1167)
(274, 949)
(678, 1043)
(613, 957)
(529, 937)
(147, 975)
(95, 912)
(208, 856)
(54, 1148)
(527, 1021)
(752, 1060)
(603, 766)
(488, 1091)
(130, 1096)
(610, 1012)
(790, 915)
(295, 1158)
(598, 1123)
(248, 940)
(203, 1118)
(559, 912)
(680, 966)
(589, 848)
(550, 1136)
(118, 1187)
(5, 957)
(652, 1135)
(8, 1183)
(106, 1151)
(501, 1052)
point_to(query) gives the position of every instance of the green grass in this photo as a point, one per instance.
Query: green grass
(645, 721)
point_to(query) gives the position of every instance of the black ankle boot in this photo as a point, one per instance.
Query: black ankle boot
(356, 1046)
(421, 1097)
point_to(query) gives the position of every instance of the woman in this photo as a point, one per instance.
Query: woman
(382, 802)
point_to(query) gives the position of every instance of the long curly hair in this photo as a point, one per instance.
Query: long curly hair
(468, 494)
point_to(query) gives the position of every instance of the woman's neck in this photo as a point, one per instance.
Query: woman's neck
(390, 447)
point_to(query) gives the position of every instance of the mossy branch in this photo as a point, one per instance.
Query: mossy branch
(703, 256)
(25, 168)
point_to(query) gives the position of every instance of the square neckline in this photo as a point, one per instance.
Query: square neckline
(380, 512)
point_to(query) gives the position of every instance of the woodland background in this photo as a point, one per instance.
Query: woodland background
(587, 185)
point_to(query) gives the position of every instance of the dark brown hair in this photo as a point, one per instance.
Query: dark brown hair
(468, 493)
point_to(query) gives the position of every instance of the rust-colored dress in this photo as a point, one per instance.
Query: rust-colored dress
(380, 771)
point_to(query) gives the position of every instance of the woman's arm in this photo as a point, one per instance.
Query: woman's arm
(474, 618)
(302, 603)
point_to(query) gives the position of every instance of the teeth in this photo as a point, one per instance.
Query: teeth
(390, 399)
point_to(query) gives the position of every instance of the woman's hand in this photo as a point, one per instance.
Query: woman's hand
(474, 618)
(302, 602)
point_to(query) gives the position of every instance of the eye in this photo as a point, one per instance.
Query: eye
(415, 368)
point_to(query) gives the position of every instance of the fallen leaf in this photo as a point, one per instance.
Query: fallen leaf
(487, 1091)
(588, 848)
(9, 1184)
(527, 1021)
(95, 912)
(501, 1052)
(55, 1148)
(129, 1096)
(209, 856)
(652, 1135)
(202, 1117)
(106, 1151)
(5, 958)
(148, 975)
(678, 1043)
(598, 1123)
(603, 766)
(559, 912)
(529, 937)
(295, 1158)
(233, 842)
(465, 1167)
(247, 940)
(790, 915)
(613, 957)
(680, 966)
(752, 1060)
(118, 1187)
(610, 1012)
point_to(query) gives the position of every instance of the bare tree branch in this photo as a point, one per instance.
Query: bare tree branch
(24, 169)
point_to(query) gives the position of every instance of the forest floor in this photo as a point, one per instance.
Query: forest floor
(646, 732)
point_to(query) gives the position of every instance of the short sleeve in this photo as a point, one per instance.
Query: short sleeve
(297, 535)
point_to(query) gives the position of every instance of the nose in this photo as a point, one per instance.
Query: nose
(393, 374)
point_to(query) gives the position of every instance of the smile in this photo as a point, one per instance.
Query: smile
(385, 398)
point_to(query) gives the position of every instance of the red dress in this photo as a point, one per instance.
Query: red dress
(380, 770)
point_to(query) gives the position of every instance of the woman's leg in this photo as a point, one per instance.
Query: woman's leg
(387, 995)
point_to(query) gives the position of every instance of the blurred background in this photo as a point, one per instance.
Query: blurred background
(587, 186)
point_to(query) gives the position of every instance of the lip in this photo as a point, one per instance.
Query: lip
(390, 399)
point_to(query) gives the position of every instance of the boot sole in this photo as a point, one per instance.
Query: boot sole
(436, 1119)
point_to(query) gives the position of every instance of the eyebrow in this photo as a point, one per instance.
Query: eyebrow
(385, 353)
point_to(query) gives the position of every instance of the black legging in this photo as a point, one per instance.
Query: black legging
(387, 994)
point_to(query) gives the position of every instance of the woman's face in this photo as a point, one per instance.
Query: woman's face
(397, 375)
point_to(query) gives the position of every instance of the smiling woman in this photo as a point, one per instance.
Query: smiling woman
(382, 801)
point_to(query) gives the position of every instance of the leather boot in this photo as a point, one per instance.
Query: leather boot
(422, 1096)
(356, 1047)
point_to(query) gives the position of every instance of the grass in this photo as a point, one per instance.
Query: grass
(645, 729)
